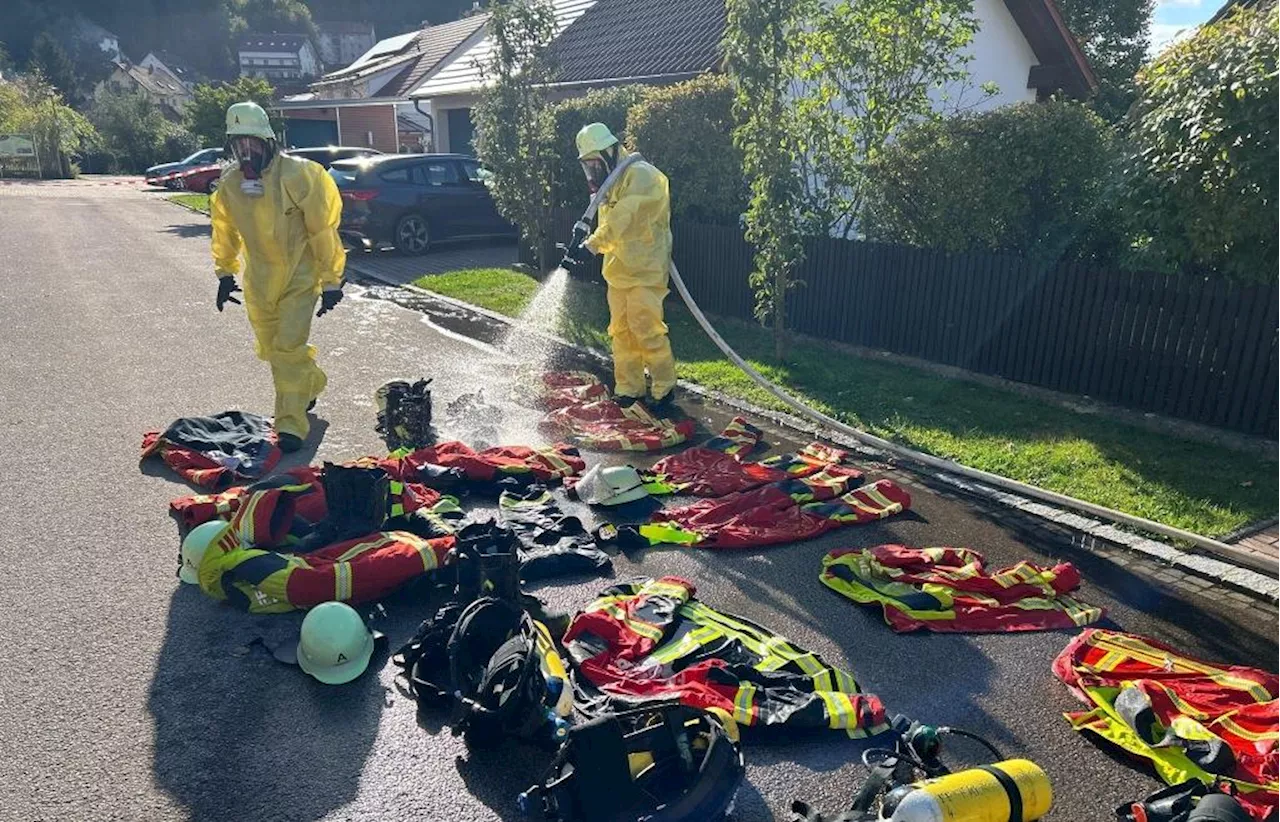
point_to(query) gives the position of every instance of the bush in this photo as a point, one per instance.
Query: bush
(687, 131)
(1202, 170)
(608, 106)
(1036, 179)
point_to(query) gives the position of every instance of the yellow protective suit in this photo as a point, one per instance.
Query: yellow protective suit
(634, 235)
(289, 239)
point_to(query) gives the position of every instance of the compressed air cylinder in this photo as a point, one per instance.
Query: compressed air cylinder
(1015, 790)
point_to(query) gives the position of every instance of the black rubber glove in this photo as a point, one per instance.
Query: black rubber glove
(575, 257)
(226, 287)
(329, 298)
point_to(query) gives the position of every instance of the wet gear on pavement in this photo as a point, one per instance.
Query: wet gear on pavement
(950, 589)
(213, 452)
(652, 639)
(552, 543)
(659, 763)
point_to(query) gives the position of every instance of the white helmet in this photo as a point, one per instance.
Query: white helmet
(335, 644)
(194, 546)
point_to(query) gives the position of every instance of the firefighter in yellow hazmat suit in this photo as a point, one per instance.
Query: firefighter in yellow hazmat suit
(634, 235)
(282, 214)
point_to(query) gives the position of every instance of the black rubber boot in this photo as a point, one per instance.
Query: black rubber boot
(290, 443)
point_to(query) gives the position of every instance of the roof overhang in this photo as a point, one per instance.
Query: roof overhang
(298, 105)
(1063, 66)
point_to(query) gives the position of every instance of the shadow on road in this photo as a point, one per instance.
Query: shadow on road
(187, 230)
(233, 726)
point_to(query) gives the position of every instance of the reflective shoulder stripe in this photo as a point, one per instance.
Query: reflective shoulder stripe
(342, 581)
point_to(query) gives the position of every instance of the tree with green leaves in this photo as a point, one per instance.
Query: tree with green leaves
(51, 60)
(867, 69)
(761, 38)
(30, 105)
(1203, 172)
(515, 127)
(135, 133)
(206, 115)
(1115, 35)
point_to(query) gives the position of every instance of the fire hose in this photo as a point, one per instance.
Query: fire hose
(905, 454)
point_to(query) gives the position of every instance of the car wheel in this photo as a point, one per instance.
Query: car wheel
(212, 187)
(412, 235)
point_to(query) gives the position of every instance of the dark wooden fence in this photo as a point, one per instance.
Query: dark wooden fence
(1199, 349)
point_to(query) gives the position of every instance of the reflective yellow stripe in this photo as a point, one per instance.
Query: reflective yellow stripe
(342, 581)
(839, 709)
(743, 701)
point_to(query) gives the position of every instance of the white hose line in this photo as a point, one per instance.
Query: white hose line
(1210, 546)
(1206, 544)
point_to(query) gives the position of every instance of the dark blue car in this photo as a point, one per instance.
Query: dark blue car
(409, 201)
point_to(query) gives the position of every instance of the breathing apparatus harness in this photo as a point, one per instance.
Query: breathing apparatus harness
(485, 654)
(656, 762)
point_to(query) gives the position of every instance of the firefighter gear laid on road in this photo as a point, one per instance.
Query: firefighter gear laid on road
(581, 409)
(251, 567)
(212, 452)
(718, 467)
(335, 645)
(797, 509)
(652, 639)
(950, 589)
(289, 240)
(658, 763)
(1191, 719)
(552, 543)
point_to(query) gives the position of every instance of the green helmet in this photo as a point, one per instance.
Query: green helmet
(594, 138)
(194, 546)
(248, 119)
(335, 645)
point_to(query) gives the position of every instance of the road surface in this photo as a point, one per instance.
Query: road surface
(124, 696)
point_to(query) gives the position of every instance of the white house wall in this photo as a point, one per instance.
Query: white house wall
(1001, 55)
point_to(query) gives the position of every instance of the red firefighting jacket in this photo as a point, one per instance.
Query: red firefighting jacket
(719, 468)
(250, 567)
(1188, 699)
(580, 408)
(789, 511)
(949, 589)
(652, 639)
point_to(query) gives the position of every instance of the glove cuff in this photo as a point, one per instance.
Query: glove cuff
(333, 287)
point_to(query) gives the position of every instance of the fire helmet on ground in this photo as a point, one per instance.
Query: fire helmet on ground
(335, 645)
(194, 546)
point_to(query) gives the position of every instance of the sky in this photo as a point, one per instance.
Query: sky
(1177, 17)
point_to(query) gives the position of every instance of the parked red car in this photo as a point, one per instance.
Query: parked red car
(203, 179)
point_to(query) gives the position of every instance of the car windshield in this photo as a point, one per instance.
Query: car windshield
(200, 156)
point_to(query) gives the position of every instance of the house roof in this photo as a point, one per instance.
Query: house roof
(284, 43)
(462, 75)
(415, 54)
(1063, 65)
(154, 80)
(617, 39)
(175, 64)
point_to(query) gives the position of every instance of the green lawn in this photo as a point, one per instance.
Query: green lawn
(1191, 485)
(195, 202)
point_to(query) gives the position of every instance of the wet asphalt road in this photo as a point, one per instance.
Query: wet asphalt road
(125, 697)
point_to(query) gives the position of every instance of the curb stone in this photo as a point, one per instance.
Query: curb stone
(1243, 580)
